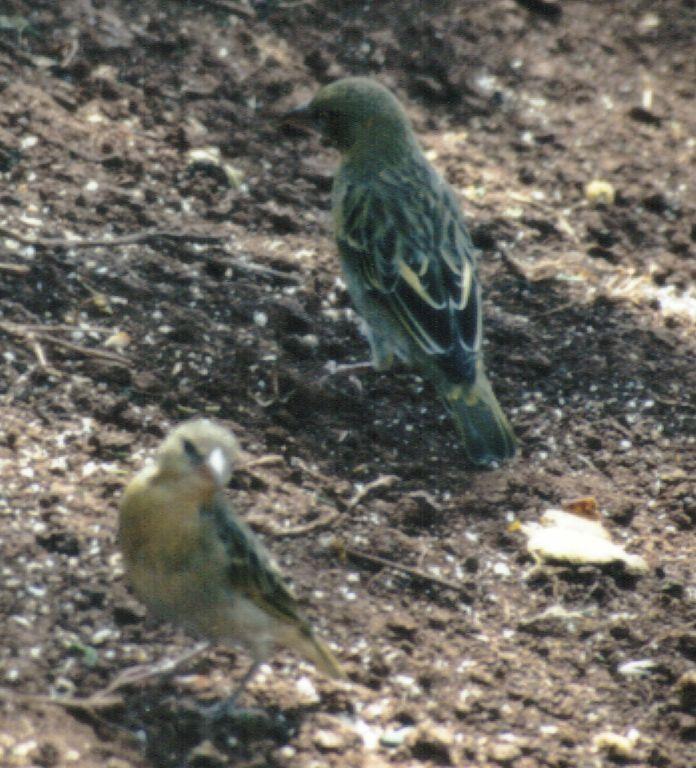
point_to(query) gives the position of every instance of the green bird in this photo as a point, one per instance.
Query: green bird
(407, 257)
(191, 560)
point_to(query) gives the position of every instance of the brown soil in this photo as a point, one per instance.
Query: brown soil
(590, 342)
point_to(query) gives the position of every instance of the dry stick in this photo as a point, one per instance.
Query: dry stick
(96, 242)
(556, 310)
(15, 269)
(146, 236)
(40, 355)
(278, 531)
(42, 328)
(143, 672)
(266, 526)
(34, 336)
(262, 461)
(514, 266)
(236, 9)
(109, 357)
(106, 698)
(69, 702)
(17, 53)
(416, 573)
(259, 269)
(561, 219)
(383, 481)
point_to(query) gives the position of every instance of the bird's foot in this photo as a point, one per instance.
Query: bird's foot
(341, 369)
(333, 368)
(246, 722)
(221, 709)
(229, 706)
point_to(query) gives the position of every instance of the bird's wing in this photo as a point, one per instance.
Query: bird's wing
(250, 570)
(406, 233)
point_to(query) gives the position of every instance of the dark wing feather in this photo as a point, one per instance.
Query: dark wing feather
(250, 569)
(405, 231)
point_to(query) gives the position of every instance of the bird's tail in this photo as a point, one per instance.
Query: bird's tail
(307, 644)
(487, 434)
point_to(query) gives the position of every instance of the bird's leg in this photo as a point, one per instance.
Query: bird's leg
(227, 706)
(382, 357)
(334, 369)
(382, 351)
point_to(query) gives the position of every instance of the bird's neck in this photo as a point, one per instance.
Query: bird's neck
(380, 147)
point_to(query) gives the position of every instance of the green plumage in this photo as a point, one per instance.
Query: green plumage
(408, 259)
(192, 561)
(249, 569)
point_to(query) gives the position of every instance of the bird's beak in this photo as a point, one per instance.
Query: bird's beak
(300, 117)
(219, 467)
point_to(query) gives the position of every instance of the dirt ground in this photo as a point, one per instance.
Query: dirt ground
(165, 250)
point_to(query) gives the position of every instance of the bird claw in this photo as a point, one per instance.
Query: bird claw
(333, 368)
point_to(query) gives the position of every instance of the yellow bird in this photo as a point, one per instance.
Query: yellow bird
(407, 257)
(193, 562)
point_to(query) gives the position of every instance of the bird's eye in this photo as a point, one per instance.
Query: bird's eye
(191, 451)
(325, 116)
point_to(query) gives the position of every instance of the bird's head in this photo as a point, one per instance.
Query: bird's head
(356, 112)
(201, 450)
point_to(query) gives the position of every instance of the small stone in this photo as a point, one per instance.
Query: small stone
(430, 741)
(637, 668)
(206, 755)
(286, 753)
(502, 569)
(402, 625)
(600, 192)
(260, 319)
(504, 752)
(306, 692)
(119, 341)
(117, 762)
(395, 737)
(23, 753)
(686, 688)
(618, 747)
(375, 761)
(329, 741)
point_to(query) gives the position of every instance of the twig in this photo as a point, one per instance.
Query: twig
(262, 461)
(620, 428)
(149, 236)
(99, 354)
(94, 242)
(15, 269)
(296, 461)
(295, 530)
(559, 308)
(671, 403)
(96, 701)
(383, 481)
(234, 8)
(142, 672)
(40, 354)
(17, 53)
(259, 269)
(416, 573)
(106, 698)
(41, 328)
(562, 222)
(26, 332)
(515, 266)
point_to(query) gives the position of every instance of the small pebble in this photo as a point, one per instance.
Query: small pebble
(504, 752)
(329, 741)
